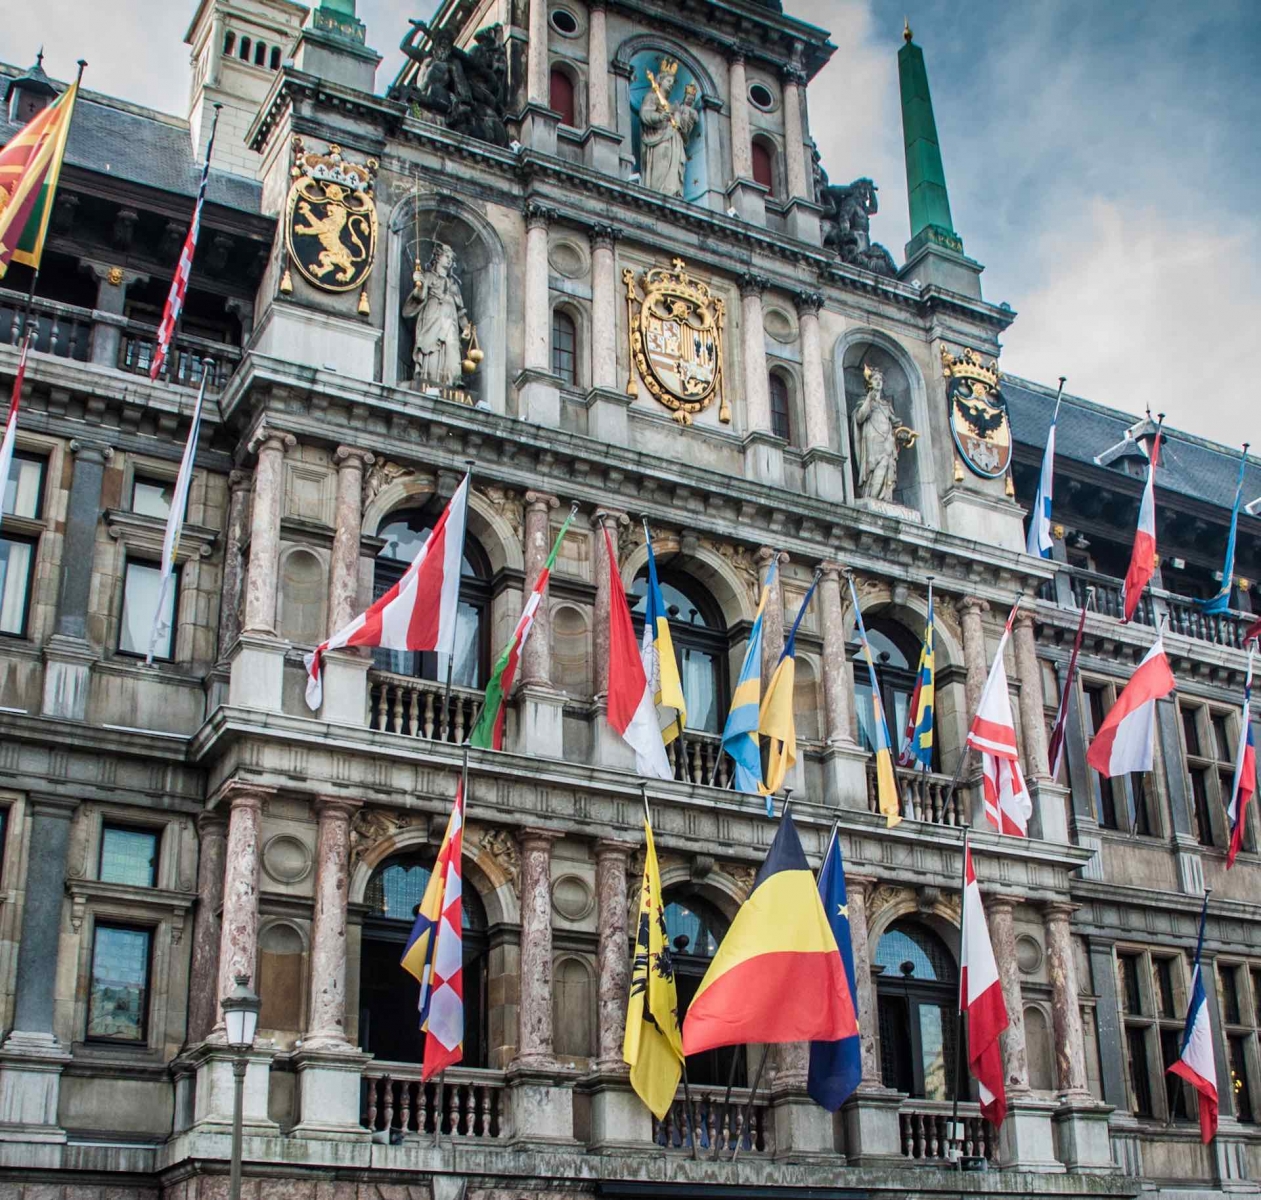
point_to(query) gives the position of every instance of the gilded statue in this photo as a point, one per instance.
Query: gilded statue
(878, 438)
(664, 131)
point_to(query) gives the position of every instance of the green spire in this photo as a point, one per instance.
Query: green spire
(925, 176)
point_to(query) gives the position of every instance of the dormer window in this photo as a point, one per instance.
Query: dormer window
(29, 94)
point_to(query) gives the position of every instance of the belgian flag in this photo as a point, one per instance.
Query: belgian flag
(778, 975)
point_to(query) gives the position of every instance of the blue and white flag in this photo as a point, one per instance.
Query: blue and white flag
(1220, 602)
(1195, 1061)
(739, 735)
(1040, 542)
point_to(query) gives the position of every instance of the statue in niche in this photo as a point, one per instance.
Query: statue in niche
(847, 213)
(441, 321)
(878, 439)
(664, 130)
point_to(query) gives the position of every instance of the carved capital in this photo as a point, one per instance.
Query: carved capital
(808, 303)
(616, 519)
(766, 553)
(540, 502)
(1059, 910)
(997, 903)
(603, 236)
(752, 284)
(351, 458)
(833, 570)
(793, 76)
(241, 793)
(1023, 620)
(91, 451)
(606, 848)
(275, 440)
(538, 215)
(737, 58)
(971, 606)
(211, 824)
(532, 838)
(239, 480)
(337, 808)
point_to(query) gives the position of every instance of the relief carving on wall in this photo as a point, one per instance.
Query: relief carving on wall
(500, 847)
(372, 825)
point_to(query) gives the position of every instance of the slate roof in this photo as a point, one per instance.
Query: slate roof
(141, 146)
(1191, 466)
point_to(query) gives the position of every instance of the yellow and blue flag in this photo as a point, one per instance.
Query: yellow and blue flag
(739, 736)
(917, 744)
(886, 784)
(776, 719)
(660, 665)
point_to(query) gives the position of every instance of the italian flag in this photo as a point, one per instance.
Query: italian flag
(488, 733)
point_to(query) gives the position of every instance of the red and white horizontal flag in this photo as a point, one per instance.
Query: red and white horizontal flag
(981, 997)
(1143, 556)
(11, 425)
(632, 705)
(1126, 739)
(417, 613)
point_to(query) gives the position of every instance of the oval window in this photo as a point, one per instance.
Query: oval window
(760, 97)
(564, 22)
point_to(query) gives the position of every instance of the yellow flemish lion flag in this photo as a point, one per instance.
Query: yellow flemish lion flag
(653, 1045)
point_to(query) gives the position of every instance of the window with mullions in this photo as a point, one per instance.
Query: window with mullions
(1208, 739)
(128, 856)
(781, 416)
(1152, 997)
(1125, 802)
(916, 1000)
(118, 993)
(1239, 990)
(896, 651)
(404, 533)
(564, 347)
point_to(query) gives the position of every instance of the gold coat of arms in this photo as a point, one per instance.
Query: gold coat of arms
(978, 413)
(676, 340)
(331, 220)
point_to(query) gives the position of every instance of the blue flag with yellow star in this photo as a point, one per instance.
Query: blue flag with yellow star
(836, 1067)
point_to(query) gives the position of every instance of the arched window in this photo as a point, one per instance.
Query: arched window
(763, 165)
(229, 42)
(260, 54)
(896, 651)
(695, 927)
(245, 49)
(561, 97)
(700, 644)
(781, 419)
(275, 58)
(404, 533)
(916, 998)
(387, 994)
(564, 347)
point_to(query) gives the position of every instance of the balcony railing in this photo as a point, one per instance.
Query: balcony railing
(717, 1122)
(923, 796)
(185, 362)
(924, 1126)
(469, 1103)
(64, 330)
(698, 758)
(419, 707)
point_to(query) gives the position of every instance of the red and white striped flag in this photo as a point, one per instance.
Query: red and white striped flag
(981, 997)
(184, 268)
(1143, 557)
(11, 425)
(417, 613)
(1008, 805)
(1126, 740)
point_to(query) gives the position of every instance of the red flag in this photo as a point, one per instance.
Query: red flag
(1143, 557)
(1055, 751)
(1125, 740)
(981, 997)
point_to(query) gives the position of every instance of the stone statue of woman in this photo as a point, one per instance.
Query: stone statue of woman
(441, 322)
(876, 440)
(664, 130)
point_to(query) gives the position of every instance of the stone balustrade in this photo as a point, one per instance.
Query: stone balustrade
(924, 1130)
(717, 1120)
(419, 708)
(469, 1103)
(924, 796)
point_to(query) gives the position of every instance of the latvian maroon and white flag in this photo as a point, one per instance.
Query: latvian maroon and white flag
(184, 268)
(1126, 739)
(981, 997)
(1055, 749)
(417, 613)
(632, 705)
(1143, 556)
(1008, 805)
(1195, 1061)
(11, 425)
(1245, 782)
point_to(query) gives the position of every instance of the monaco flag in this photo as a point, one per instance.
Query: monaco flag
(1195, 1061)
(1245, 781)
(1125, 740)
(1143, 556)
(417, 613)
(1008, 805)
(632, 706)
(981, 997)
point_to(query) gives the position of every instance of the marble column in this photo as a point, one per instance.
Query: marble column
(598, 68)
(343, 575)
(238, 939)
(534, 1034)
(998, 910)
(971, 609)
(326, 1025)
(741, 138)
(1032, 716)
(1070, 1041)
(814, 390)
(603, 306)
(772, 615)
(269, 486)
(858, 889)
(536, 666)
(613, 952)
(838, 683)
(538, 75)
(538, 310)
(757, 398)
(203, 975)
(798, 180)
(615, 522)
(239, 483)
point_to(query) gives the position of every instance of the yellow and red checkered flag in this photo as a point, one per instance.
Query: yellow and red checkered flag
(30, 166)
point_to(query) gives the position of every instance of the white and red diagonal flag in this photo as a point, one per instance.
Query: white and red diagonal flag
(1245, 782)
(1008, 805)
(981, 997)
(183, 268)
(417, 613)
(1055, 749)
(11, 425)
(1143, 557)
(1126, 739)
(1195, 1060)
(632, 704)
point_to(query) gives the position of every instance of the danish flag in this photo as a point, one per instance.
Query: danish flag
(981, 997)
(1245, 781)
(1143, 557)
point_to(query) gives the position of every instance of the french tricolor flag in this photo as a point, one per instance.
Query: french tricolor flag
(981, 997)
(1143, 556)
(1127, 737)
(1195, 1063)
(1245, 782)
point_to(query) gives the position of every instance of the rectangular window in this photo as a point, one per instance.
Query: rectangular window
(1137, 783)
(1238, 1049)
(24, 489)
(152, 497)
(1140, 1085)
(129, 856)
(1175, 1089)
(1199, 797)
(17, 560)
(142, 585)
(1105, 803)
(1131, 993)
(1162, 977)
(1221, 738)
(118, 996)
(1256, 996)
(564, 347)
(4, 837)
(1231, 1012)
(1191, 731)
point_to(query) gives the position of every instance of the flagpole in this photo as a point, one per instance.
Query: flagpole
(955, 1139)
(446, 693)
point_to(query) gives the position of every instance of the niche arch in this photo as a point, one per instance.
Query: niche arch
(303, 595)
(729, 590)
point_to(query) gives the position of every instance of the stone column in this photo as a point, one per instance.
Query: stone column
(598, 68)
(772, 615)
(203, 976)
(603, 305)
(534, 1035)
(999, 910)
(798, 179)
(616, 522)
(111, 302)
(838, 683)
(233, 559)
(971, 610)
(815, 394)
(1070, 1042)
(538, 74)
(269, 485)
(757, 415)
(538, 316)
(1032, 717)
(343, 576)
(741, 138)
(326, 1025)
(614, 953)
(536, 666)
(857, 890)
(238, 939)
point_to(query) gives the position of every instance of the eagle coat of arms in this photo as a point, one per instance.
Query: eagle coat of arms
(978, 412)
(676, 329)
(331, 219)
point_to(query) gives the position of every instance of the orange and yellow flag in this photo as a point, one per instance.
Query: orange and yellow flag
(30, 166)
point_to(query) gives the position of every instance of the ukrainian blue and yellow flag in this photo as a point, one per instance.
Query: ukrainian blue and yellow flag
(739, 736)
(917, 748)
(776, 719)
(886, 784)
(657, 651)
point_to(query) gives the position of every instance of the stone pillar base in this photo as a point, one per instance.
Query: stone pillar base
(619, 1121)
(538, 128)
(538, 398)
(872, 1134)
(609, 749)
(1230, 1160)
(212, 1107)
(749, 201)
(258, 673)
(328, 1094)
(30, 1086)
(67, 677)
(1026, 1141)
(1082, 1141)
(540, 722)
(803, 1130)
(542, 1108)
(345, 688)
(1050, 811)
(601, 150)
(845, 776)
(825, 474)
(607, 411)
(801, 220)
(764, 458)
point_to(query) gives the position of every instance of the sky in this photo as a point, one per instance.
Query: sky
(1101, 157)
